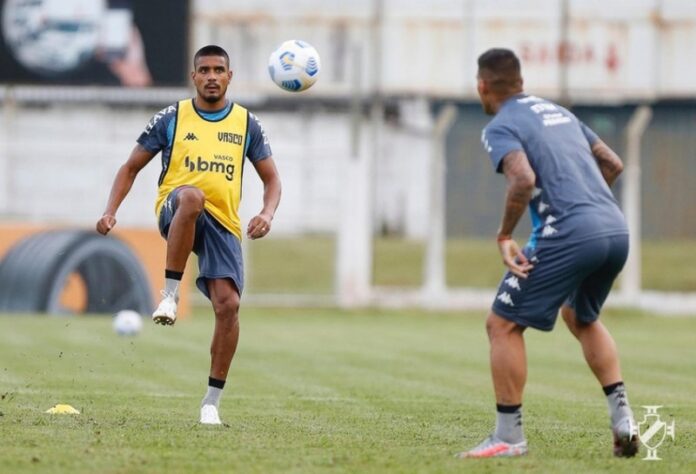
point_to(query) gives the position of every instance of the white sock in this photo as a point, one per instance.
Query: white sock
(508, 425)
(171, 287)
(212, 397)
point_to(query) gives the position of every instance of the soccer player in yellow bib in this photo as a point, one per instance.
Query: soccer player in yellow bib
(203, 142)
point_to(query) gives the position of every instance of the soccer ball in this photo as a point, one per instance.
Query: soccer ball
(127, 323)
(294, 66)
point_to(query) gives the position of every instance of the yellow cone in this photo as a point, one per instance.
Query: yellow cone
(61, 409)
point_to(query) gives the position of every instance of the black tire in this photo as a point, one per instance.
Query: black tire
(34, 273)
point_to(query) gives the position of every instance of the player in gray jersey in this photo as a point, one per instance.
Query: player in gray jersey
(558, 168)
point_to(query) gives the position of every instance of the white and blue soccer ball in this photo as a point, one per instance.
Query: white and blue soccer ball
(294, 65)
(127, 323)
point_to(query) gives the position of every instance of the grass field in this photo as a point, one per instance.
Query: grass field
(325, 391)
(280, 265)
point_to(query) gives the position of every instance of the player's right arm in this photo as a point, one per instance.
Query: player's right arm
(507, 155)
(158, 134)
(520, 186)
(609, 162)
(123, 182)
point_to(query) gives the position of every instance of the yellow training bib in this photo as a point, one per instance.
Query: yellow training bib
(208, 155)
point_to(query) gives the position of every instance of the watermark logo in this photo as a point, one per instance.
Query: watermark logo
(652, 431)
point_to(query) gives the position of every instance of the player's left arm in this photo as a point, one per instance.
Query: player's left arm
(520, 186)
(609, 162)
(260, 224)
(259, 153)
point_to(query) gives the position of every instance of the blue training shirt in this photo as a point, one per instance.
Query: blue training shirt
(571, 201)
(159, 133)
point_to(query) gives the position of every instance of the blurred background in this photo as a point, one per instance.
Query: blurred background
(388, 198)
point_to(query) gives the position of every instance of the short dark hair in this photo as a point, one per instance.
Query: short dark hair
(211, 50)
(501, 69)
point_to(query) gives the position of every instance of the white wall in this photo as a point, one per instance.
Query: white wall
(614, 50)
(57, 161)
(57, 164)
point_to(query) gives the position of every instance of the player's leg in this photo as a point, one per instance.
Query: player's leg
(509, 370)
(221, 279)
(190, 202)
(225, 299)
(600, 352)
(598, 347)
(508, 359)
(520, 303)
(179, 215)
(581, 314)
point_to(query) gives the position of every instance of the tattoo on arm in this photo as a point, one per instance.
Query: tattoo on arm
(609, 163)
(521, 179)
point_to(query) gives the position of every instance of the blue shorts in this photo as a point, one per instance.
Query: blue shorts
(219, 251)
(579, 275)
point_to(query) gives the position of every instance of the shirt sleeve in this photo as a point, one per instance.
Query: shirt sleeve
(258, 146)
(498, 141)
(590, 135)
(156, 136)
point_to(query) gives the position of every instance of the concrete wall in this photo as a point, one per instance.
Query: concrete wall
(58, 158)
(57, 163)
(589, 51)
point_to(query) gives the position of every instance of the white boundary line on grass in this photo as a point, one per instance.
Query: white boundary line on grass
(465, 299)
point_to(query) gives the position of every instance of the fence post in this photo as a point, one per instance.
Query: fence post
(631, 199)
(434, 281)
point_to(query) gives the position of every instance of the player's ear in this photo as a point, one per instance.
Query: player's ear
(481, 86)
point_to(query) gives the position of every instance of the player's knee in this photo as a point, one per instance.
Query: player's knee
(497, 326)
(569, 319)
(226, 307)
(575, 326)
(190, 201)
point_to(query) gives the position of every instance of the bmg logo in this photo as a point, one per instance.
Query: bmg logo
(213, 166)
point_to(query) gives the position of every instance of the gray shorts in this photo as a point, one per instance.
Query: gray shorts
(578, 274)
(219, 251)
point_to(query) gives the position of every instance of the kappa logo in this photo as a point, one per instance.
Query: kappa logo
(542, 207)
(513, 282)
(190, 136)
(484, 141)
(652, 431)
(548, 231)
(158, 116)
(505, 297)
(263, 132)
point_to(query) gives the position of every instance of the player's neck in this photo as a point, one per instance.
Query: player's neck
(501, 99)
(206, 106)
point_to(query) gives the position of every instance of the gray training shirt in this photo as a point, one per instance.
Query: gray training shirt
(571, 201)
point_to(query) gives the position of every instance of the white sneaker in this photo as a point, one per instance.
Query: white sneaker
(493, 447)
(165, 313)
(209, 415)
(625, 438)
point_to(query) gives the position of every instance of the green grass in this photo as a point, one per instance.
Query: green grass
(324, 391)
(669, 265)
(281, 265)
